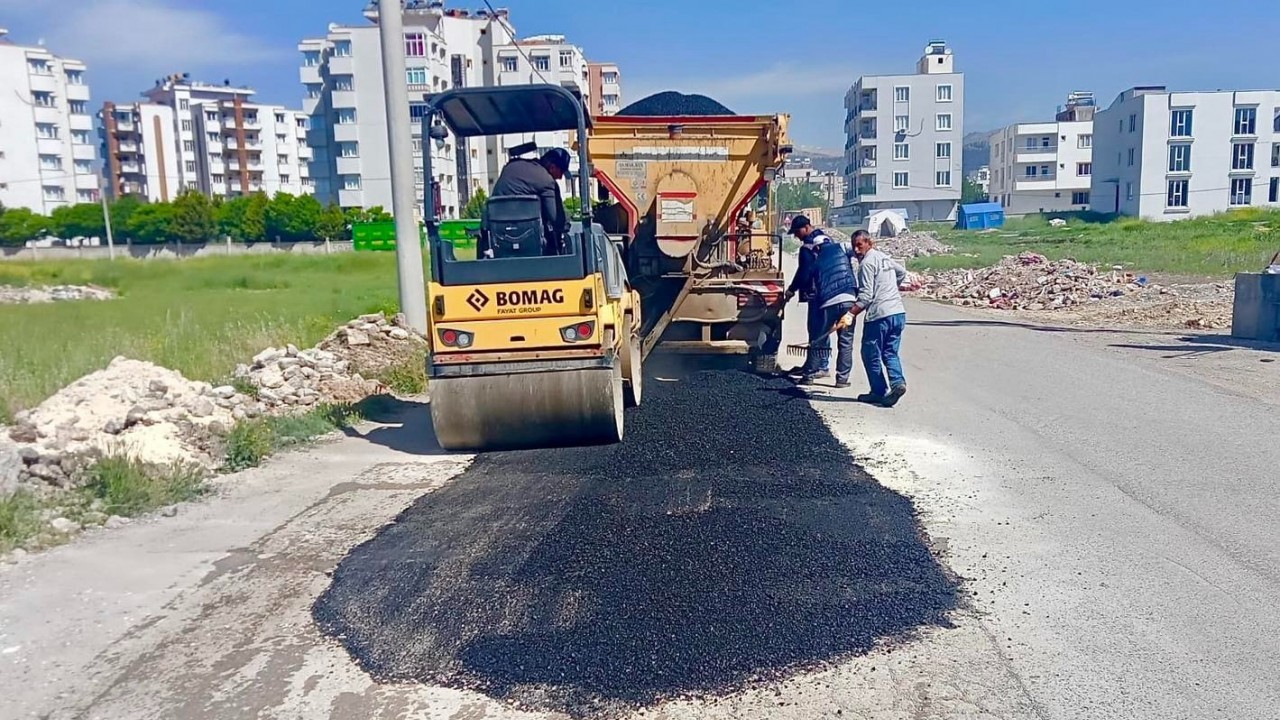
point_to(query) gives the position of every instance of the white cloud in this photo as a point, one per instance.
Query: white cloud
(159, 36)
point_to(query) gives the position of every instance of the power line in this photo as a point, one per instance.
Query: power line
(515, 41)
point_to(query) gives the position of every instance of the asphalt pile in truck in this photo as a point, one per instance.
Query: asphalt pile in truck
(673, 103)
(729, 540)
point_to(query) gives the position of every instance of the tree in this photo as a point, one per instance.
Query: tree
(293, 218)
(81, 220)
(230, 216)
(572, 208)
(253, 227)
(191, 218)
(123, 208)
(333, 224)
(799, 196)
(149, 224)
(971, 192)
(18, 225)
(474, 209)
(372, 215)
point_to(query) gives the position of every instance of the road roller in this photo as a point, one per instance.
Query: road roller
(532, 344)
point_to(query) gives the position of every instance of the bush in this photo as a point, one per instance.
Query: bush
(130, 488)
(252, 441)
(19, 519)
(248, 444)
(408, 378)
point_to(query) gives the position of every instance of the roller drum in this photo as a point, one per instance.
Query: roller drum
(528, 410)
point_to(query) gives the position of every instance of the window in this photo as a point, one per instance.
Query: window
(901, 180)
(419, 177)
(191, 185)
(350, 182)
(416, 76)
(75, 77)
(417, 111)
(184, 104)
(50, 162)
(944, 93)
(1242, 156)
(342, 48)
(285, 179)
(1133, 154)
(1084, 170)
(611, 101)
(1246, 121)
(942, 178)
(43, 99)
(415, 45)
(611, 78)
(279, 118)
(54, 192)
(566, 58)
(304, 123)
(186, 126)
(1274, 194)
(349, 149)
(188, 146)
(191, 166)
(86, 196)
(509, 63)
(213, 138)
(942, 151)
(47, 131)
(1128, 191)
(901, 151)
(311, 58)
(944, 121)
(214, 159)
(1241, 191)
(78, 107)
(84, 167)
(1080, 198)
(346, 116)
(1275, 155)
(1031, 171)
(1084, 142)
(1133, 122)
(1031, 144)
(344, 83)
(211, 116)
(219, 179)
(902, 94)
(314, 90)
(80, 137)
(541, 62)
(282, 139)
(1180, 123)
(901, 123)
(417, 146)
(39, 67)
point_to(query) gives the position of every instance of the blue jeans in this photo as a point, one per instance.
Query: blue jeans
(821, 320)
(881, 340)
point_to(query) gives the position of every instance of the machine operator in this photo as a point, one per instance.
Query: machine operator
(539, 177)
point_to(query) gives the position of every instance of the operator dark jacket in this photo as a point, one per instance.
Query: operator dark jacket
(803, 283)
(529, 177)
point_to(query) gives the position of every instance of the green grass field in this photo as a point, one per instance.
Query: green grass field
(200, 317)
(1217, 246)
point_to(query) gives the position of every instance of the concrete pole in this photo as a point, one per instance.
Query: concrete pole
(413, 292)
(106, 219)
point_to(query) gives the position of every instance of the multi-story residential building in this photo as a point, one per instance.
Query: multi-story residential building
(829, 185)
(604, 88)
(904, 147)
(46, 142)
(982, 178)
(1045, 167)
(202, 137)
(1164, 155)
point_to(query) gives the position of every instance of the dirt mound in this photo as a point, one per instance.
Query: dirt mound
(674, 103)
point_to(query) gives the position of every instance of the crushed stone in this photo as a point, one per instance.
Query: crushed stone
(10, 295)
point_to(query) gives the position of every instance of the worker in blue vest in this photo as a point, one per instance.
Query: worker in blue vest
(833, 289)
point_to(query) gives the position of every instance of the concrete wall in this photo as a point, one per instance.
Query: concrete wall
(172, 251)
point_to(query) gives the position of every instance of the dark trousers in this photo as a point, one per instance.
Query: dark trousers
(821, 320)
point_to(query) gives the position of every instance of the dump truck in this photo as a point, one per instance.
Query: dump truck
(536, 343)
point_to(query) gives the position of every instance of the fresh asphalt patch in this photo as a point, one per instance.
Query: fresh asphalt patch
(728, 541)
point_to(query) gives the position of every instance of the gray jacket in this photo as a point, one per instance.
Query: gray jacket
(878, 279)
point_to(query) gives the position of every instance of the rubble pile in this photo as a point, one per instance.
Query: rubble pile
(1033, 283)
(910, 245)
(161, 418)
(10, 295)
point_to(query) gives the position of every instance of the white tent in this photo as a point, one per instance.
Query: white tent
(887, 223)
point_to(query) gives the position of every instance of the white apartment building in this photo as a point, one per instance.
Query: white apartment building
(203, 137)
(830, 185)
(905, 139)
(1163, 155)
(46, 143)
(982, 178)
(1045, 167)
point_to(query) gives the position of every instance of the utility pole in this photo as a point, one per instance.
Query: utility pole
(413, 293)
(106, 220)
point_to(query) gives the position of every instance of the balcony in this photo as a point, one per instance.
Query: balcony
(80, 122)
(867, 135)
(1039, 182)
(867, 163)
(343, 98)
(867, 106)
(125, 126)
(1037, 154)
(130, 168)
(128, 146)
(131, 188)
(867, 190)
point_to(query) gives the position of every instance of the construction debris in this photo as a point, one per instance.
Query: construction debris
(10, 295)
(905, 246)
(1081, 292)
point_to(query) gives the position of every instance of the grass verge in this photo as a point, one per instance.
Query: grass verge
(200, 317)
(409, 377)
(252, 441)
(1216, 246)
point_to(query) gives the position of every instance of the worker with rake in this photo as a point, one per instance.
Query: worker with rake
(880, 279)
(829, 276)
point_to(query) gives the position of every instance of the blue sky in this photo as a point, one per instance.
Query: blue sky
(1020, 57)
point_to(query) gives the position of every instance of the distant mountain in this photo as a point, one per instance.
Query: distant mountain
(820, 159)
(977, 151)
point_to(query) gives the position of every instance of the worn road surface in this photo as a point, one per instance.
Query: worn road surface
(1051, 525)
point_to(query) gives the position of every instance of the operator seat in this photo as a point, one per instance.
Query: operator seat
(512, 226)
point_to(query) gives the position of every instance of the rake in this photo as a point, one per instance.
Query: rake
(823, 350)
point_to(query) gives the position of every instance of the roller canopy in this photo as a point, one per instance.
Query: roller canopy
(473, 112)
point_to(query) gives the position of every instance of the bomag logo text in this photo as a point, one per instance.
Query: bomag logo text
(525, 298)
(527, 302)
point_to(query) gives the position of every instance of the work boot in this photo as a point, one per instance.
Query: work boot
(871, 399)
(842, 384)
(895, 395)
(808, 379)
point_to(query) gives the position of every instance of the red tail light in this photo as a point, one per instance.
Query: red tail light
(578, 333)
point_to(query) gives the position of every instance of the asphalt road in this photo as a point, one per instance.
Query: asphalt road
(1096, 534)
